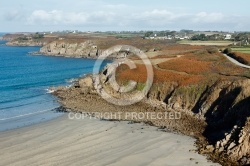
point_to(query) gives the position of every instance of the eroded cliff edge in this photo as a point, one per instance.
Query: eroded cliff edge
(80, 49)
(61, 48)
(216, 112)
(210, 92)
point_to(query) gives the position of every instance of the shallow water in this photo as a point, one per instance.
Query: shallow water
(24, 80)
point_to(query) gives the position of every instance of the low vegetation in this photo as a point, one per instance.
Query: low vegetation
(241, 54)
(195, 67)
(187, 65)
(206, 43)
(241, 49)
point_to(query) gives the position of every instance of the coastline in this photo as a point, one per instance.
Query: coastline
(86, 102)
(91, 102)
(68, 56)
(21, 121)
(25, 99)
(84, 99)
(96, 142)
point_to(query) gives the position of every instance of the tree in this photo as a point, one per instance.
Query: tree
(148, 34)
(199, 37)
(227, 51)
(37, 36)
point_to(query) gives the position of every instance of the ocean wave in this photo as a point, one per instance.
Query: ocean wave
(82, 75)
(21, 99)
(72, 80)
(28, 85)
(32, 113)
(26, 104)
(50, 91)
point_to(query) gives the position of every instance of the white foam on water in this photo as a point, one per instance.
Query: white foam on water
(28, 114)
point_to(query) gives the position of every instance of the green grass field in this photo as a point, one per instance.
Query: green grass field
(242, 49)
(206, 43)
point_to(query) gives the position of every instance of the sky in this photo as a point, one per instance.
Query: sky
(121, 15)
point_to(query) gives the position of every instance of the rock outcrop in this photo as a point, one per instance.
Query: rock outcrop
(225, 108)
(236, 144)
(10, 37)
(26, 43)
(60, 48)
(84, 49)
(218, 114)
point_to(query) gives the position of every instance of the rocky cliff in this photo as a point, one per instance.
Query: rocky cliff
(223, 106)
(10, 37)
(218, 113)
(26, 43)
(60, 48)
(84, 49)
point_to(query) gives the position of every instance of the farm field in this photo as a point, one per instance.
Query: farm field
(241, 49)
(206, 43)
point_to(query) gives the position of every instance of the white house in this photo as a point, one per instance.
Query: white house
(228, 37)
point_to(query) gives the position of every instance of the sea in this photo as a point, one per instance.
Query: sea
(25, 80)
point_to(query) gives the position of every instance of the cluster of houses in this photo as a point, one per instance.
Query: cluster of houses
(168, 37)
(189, 36)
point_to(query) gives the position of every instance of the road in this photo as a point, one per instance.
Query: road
(236, 62)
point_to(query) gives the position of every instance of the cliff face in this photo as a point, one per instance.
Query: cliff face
(59, 48)
(23, 40)
(86, 49)
(26, 43)
(10, 37)
(217, 111)
(223, 106)
(218, 114)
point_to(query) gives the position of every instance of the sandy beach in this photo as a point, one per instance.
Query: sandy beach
(93, 142)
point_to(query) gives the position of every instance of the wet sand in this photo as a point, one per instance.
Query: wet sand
(93, 142)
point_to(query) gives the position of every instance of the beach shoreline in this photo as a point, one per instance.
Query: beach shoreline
(84, 99)
(95, 142)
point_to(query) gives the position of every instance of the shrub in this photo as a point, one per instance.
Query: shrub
(227, 51)
(212, 50)
(238, 58)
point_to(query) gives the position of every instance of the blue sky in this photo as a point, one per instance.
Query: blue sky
(104, 15)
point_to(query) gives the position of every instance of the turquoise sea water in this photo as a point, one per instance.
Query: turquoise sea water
(23, 82)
